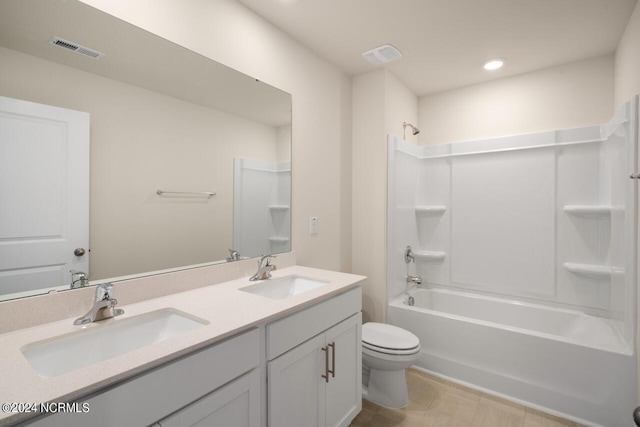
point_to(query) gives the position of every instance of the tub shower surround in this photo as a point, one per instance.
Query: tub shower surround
(527, 247)
(261, 207)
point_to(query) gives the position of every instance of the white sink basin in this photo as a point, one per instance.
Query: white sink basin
(66, 353)
(284, 287)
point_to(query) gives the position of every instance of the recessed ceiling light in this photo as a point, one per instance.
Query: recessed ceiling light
(494, 64)
(382, 54)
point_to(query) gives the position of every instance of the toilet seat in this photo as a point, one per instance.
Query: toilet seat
(389, 339)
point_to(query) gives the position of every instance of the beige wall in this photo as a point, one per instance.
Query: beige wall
(381, 103)
(369, 204)
(142, 141)
(571, 95)
(229, 33)
(627, 59)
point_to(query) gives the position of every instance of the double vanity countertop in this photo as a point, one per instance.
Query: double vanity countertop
(226, 308)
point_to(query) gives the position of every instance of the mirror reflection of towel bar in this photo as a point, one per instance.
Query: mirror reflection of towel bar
(187, 193)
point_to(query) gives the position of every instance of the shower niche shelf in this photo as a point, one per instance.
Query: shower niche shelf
(430, 209)
(279, 207)
(592, 211)
(429, 255)
(277, 239)
(596, 271)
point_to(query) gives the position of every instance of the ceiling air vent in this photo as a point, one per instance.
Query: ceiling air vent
(382, 54)
(77, 48)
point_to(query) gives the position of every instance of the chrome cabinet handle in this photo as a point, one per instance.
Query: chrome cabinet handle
(333, 359)
(326, 364)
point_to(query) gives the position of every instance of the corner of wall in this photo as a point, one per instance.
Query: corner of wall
(381, 102)
(627, 61)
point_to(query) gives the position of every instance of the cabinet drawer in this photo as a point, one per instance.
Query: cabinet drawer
(237, 404)
(284, 334)
(153, 395)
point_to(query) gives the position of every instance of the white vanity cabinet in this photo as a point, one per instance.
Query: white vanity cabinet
(303, 369)
(314, 367)
(219, 386)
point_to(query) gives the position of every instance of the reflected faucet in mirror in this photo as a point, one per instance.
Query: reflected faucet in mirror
(103, 307)
(79, 279)
(233, 255)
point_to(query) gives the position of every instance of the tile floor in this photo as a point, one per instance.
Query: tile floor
(434, 402)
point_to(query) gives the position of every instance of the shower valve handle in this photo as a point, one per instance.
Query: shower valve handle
(408, 255)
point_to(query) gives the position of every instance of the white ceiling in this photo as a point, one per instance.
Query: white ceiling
(445, 42)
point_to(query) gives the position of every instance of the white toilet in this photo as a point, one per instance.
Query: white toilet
(387, 351)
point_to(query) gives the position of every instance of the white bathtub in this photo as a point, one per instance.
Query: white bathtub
(559, 360)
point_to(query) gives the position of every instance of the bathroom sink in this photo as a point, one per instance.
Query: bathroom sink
(284, 287)
(99, 342)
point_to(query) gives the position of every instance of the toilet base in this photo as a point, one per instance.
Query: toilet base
(387, 388)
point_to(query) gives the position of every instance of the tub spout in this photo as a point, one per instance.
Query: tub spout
(414, 279)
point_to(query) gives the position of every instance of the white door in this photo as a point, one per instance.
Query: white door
(44, 195)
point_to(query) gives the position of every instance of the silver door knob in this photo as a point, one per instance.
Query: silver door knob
(79, 252)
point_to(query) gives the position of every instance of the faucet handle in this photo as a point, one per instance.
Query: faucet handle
(77, 273)
(265, 260)
(104, 292)
(233, 255)
(78, 277)
(408, 255)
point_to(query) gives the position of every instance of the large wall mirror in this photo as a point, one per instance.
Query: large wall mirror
(180, 158)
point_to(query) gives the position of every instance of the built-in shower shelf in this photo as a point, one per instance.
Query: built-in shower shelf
(278, 239)
(279, 207)
(595, 211)
(431, 210)
(592, 270)
(429, 255)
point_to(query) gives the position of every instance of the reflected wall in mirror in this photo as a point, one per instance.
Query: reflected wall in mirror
(161, 118)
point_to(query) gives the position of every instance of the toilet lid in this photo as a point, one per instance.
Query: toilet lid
(384, 336)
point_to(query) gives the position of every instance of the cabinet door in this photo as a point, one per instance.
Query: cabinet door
(237, 404)
(343, 391)
(295, 386)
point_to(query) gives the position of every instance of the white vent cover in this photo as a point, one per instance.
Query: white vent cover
(382, 54)
(77, 48)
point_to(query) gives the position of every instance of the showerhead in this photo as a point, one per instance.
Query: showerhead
(414, 130)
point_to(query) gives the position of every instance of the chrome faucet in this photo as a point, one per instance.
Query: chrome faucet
(417, 280)
(79, 279)
(233, 255)
(409, 257)
(103, 307)
(264, 268)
